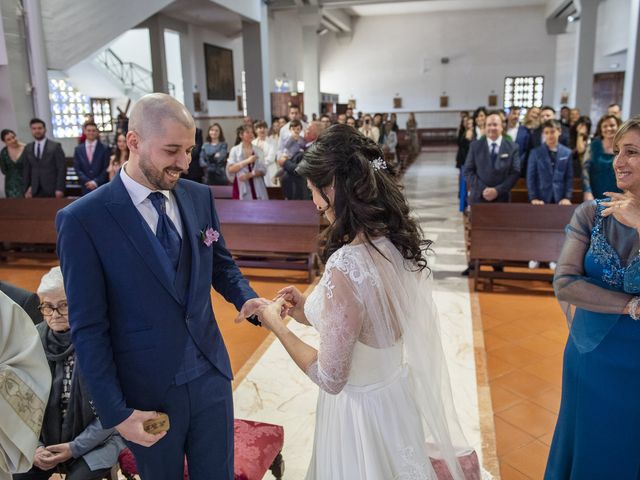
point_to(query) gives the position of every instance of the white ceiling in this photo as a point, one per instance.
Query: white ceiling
(413, 7)
(205, 13)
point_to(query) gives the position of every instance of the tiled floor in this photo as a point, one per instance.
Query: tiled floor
(524, 333)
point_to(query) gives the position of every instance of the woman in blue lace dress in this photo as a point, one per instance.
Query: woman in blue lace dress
(598, 281)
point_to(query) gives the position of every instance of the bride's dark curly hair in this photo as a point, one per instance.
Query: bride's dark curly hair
(367, 201)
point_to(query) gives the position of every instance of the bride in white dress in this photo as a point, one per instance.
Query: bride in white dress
(385, 409)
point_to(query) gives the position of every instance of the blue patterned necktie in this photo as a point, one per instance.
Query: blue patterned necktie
(494, 154)
(166, 231)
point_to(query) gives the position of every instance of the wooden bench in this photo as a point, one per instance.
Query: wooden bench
(30, 223)
(508, 232)
(226, 191)
(271, 234)
(520, 193)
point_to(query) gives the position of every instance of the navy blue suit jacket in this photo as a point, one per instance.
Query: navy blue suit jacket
(128, 324)
(96, 170)
(547, 184)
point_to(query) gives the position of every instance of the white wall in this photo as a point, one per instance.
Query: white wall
(198, 37)
(133, 46)
(612, 37)
(401, 54)
(285, 47)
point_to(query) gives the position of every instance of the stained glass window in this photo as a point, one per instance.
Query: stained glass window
(101, 109)
(524, 92)
(69, 109)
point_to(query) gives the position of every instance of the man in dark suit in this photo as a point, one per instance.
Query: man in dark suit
(141, 318)
(44, 167)
(195, 171)
(25, 299)
(492, 166)
(91, 159)
(550, 169)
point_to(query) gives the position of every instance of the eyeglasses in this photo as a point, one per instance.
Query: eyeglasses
(47, 309)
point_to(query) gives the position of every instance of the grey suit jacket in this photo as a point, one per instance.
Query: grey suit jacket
(47, 174)
(97, 446)
(480, 173)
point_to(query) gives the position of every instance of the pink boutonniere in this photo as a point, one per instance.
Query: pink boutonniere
(209, 236)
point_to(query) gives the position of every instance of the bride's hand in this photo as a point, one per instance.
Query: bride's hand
(270, 315)
(295, 299)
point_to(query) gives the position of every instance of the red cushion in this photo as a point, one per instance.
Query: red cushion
(469, 463)
(256, 446)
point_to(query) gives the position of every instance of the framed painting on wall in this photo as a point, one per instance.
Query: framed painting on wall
(219, 70)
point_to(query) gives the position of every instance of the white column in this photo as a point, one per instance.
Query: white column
(310, 18)
(255, 46)
(586, 45)
(37, 61)
(631, 98)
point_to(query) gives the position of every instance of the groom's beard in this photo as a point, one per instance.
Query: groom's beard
(165, 179)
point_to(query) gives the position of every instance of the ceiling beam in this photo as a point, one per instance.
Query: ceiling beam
(339, 18)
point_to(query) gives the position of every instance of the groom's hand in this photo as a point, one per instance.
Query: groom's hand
(132, 428)
(250, 307)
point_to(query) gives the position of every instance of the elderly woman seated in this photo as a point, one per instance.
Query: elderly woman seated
(72, 440)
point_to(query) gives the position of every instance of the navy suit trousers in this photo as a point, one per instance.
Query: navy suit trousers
(201, 427)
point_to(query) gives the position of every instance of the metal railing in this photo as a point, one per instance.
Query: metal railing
(135, 79)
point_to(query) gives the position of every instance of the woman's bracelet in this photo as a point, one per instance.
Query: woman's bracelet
(633, 308)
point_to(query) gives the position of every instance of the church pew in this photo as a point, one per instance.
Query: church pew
(511, 232)
(226, 191)
(271, 234)
(520, 193)
(30, 224)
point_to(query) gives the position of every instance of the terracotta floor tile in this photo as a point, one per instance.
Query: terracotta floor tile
(549, 370)
(507, 472)
(549, 400)
(559, 334)
(529, 417)
(502, 399)
(541, 345)
(522, 383)
(530, 459)
(517, 356)
(489, 321)
(492, 341)
(546, 439)
(509, 332)
(509, 437)
(534, 323)
(496, 367)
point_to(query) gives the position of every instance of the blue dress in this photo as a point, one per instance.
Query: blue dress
(597, 435)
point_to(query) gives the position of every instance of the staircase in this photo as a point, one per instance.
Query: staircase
(134, 79)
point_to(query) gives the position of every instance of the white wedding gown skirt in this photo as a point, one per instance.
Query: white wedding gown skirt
(371, 430)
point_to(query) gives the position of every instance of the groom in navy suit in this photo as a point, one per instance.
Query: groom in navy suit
(139, 257)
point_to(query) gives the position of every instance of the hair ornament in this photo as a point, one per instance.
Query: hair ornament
(378, 164)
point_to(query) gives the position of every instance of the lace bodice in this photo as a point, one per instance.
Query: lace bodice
(356, 346)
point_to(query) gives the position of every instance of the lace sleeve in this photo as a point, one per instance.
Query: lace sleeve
(570, 282)
(339, 330)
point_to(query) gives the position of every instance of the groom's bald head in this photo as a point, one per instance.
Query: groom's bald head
(155, 112)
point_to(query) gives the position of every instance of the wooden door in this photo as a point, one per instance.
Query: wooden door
(607, 89)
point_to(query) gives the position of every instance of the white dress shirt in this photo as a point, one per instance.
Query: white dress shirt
(140, 197)
(497, 141)
(35, 147)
